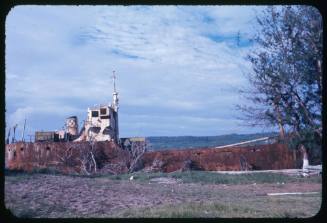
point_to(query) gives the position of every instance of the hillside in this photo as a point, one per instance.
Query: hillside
(179, 142)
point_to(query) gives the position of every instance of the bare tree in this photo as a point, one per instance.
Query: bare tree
(137, 151)
(86, 157)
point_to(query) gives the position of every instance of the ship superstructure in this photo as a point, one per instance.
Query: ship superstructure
(101, 124)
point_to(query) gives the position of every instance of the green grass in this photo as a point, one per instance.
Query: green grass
(207, 177)
(49, 170)
(203, 177)
(190, 210)
(42, 209)
(248, 178)
(303, 206)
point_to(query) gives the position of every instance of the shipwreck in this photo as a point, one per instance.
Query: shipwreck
(97, 148)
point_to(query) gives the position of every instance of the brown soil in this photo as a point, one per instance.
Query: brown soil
(42, 195)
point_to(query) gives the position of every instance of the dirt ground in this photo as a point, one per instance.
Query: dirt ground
(56, 196)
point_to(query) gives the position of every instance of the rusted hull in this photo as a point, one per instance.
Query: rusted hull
(63, 156)
(66, 157)
(263, 157)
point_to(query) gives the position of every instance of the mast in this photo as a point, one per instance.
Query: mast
(115, 99)
(115, 106)
(114, 80)
(8, 136)
(13, 138)
(23, 133)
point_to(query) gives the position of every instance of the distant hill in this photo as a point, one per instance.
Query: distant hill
(176, 142)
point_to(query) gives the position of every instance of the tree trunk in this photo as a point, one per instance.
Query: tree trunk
(307, 114)
(280, 123)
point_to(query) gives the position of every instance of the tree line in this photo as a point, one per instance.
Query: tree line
(286, 76)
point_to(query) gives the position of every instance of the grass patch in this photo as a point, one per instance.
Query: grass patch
(248, 178)
(264, 207)
(38, 209)
(186, 210)
(248, 209)
(48, 170)
(24, 213)
(203, 177)
(138, 176)
(207, 177)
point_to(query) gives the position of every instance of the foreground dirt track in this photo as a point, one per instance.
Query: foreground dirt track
(42, 195)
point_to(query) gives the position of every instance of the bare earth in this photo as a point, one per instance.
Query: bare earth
(48, 196)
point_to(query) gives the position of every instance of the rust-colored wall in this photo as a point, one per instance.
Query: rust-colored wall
(263, 157)
(28, 156)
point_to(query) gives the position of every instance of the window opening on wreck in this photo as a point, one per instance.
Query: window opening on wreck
(107, 131)
(95, 129)
(14, 154)
(21, 149)
(95, 114)
(47, 148)
(103, 111)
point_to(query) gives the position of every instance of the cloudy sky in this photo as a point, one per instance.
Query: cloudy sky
(179, 68)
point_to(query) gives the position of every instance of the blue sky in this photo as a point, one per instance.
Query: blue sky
(179, 68)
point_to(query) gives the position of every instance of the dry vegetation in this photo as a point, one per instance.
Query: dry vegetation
(186, 194)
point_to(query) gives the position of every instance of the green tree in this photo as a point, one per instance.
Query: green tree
(286, 75)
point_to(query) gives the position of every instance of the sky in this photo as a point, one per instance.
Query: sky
(179, 68)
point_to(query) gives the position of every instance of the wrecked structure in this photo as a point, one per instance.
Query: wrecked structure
(108, 157)
(97, 148)
(87, 150)
(259, 157)
(101, 124)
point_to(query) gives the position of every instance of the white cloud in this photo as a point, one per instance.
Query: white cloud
(19, 115)
(59, 60)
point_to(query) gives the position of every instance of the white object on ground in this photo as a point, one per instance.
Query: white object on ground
(315, 167)
(165, 180)
(291, 193)
(305, 164)
(312, 169)
(131, 178)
